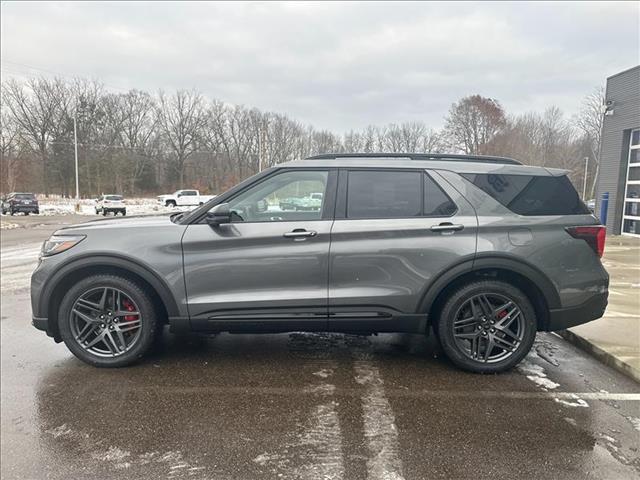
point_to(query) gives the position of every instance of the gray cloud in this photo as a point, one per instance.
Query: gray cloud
(334, 65)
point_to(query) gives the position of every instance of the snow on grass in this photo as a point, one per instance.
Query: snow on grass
(67, 206)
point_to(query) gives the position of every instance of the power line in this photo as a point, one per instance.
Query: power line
(12, 66)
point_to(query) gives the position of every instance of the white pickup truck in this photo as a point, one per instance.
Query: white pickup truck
(184, 198)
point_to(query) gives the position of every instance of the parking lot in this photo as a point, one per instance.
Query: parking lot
(300, 406)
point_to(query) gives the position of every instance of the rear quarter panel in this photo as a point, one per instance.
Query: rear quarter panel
(541, 241)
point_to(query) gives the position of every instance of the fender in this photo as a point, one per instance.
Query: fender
(487, 261)
(109, 260)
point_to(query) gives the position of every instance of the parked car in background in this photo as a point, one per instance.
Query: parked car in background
(481, 251)
(311, 202)
(20, 202)
(184, 198)
(110, 204)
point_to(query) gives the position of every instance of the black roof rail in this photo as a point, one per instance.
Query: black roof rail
(449, 157)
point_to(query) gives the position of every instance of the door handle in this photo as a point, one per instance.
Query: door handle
(447, 227)
(300, 233)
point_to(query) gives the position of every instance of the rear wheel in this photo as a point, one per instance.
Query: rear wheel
(487, 326)
(107, 321)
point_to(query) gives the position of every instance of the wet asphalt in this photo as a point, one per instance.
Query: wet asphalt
(301, 406)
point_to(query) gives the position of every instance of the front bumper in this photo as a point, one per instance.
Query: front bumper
(44, 325)
(592, 309)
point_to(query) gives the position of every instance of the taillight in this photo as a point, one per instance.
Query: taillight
(594, 236)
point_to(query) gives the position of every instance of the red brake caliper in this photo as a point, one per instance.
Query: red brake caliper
(130, 308)
(502, 314)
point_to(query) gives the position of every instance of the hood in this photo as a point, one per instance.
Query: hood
(123, 222)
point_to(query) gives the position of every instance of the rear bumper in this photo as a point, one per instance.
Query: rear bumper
(25, 208)
(592, 309)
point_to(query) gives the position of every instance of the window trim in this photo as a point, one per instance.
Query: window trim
(343, 194)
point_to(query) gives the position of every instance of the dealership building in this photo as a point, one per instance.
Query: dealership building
(619, 174)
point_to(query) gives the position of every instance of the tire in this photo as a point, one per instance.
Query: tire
(26, 214)
(124, 213)
(170, 203)
(11, 212)
(143, 336)
(97, 212)
(104, 212)
(476, 330)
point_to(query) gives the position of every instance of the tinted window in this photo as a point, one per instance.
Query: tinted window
(190, 193)
(114, 198)
(531, 195)
(25, 196)
(436, 202)
(287, 196)
(384, 194)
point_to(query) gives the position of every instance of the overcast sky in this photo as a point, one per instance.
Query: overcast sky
(334, 65)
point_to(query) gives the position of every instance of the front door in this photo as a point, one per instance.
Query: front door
(267, 269)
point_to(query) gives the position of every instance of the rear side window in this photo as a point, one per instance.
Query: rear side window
(384, 194)
(530, 194)
(436, 202)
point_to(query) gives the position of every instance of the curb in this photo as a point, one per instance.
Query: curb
(600, 354)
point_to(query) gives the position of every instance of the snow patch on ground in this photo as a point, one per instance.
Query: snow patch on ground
(8, 225)
(537, 375)
(576, 402)
(635, 421)
(380, 429)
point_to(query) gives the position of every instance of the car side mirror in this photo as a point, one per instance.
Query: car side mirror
(218, 215)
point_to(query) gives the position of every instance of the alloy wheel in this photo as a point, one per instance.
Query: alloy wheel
(489, 327)
(106, 322)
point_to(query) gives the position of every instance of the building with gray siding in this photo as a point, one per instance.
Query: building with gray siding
(619, 173)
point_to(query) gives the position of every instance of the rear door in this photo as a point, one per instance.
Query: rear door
(395, 231)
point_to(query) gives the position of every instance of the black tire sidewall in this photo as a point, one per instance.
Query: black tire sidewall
(137, 294)
(455, 301)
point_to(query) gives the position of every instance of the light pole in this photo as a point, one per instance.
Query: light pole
(586, 170)
(75, 144)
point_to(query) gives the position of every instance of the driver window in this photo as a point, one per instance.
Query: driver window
(285, 197)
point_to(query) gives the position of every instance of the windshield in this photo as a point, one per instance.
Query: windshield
(25, 196)
(114, 198)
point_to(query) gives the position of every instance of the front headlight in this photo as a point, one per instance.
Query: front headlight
(59, 243)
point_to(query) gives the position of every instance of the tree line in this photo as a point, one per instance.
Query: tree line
(137, 143)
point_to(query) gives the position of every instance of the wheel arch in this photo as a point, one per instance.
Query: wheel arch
(57, 286)
(535, 284)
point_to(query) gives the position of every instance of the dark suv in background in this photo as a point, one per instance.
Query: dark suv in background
(482, 251)
(20, 202)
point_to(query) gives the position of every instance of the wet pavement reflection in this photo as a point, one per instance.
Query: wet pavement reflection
(309, 406)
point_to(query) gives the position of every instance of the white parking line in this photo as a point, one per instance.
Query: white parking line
(380, 429)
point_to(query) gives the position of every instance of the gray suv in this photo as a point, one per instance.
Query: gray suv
(481, 251)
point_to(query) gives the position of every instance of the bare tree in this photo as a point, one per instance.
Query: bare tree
(182, 117)
(589, 121)
(473, 122)
(9, 157)
(37, 107)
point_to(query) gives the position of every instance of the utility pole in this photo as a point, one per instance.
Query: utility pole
(75, 142)
(586, 170)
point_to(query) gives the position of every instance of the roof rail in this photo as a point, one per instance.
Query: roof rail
(448, 157)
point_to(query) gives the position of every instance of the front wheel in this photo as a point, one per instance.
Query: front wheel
(107, 321)
(487, 326)
(170, 203)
